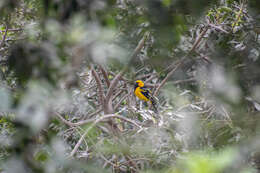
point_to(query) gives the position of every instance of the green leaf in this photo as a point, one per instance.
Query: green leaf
(167, 3)
(41, 156)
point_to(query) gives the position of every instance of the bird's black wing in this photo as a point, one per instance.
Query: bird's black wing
(146, 92)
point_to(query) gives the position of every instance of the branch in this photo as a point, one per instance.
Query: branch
(4, 37)
(136, 159)
(238, 17)
(138, 71)
(80, 122)
(107, 161)
(100, 87)
(218, 28)
(167, 77)
(121, 78)
(183, 81)
(104, 73)
(12, 30)
(119, 93)
(139, 47)
(108, 99)
(94, 123)
(151, 78)
(146, 75)
(121, 100)
(149, 85)
(198, 40)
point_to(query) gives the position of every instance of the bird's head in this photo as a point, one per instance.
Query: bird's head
(139, 83)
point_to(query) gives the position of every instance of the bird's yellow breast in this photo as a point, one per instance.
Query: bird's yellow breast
(140, 95)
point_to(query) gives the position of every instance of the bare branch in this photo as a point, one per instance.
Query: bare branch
(118, 93)
(167, 77)
(4, 37)
(100, 87)
(151, 78)
(218, 28)
(63, 120)
(146, 75)
(12, 30)
(183, 81)
(107, 161)
(108, 100)
(104, 73)
(80, 122)
(138, 71)
(94, 123)
(121, 78)
(136, 159)
(149, 85)
(139, 47)
(121, 100)
(198, 40)
(240, 13)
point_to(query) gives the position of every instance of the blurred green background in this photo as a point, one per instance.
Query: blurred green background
(67, 73)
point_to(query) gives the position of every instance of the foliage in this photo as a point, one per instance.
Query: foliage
(67, 71)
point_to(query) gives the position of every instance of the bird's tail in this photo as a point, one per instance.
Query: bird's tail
(154, 104)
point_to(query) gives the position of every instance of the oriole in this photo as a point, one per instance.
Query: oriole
(144, 94)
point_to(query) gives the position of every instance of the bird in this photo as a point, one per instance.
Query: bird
(144, 94)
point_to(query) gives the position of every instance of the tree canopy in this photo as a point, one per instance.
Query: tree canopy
(67, 76)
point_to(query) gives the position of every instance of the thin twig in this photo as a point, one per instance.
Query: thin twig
(138, 71)
(149, 85)
(218, 28)
(4, 37)
(121, 78)
(121, 100)
(238, 17)
(146, 75)
(136, 159)
(104, 73)
(132, 163)
(94, 123)
(108, 100)
(100, 87)
(183, 81)
(11, 30)
(107, 161)
(80, 122)
(120, 91)
(198, 40)
(166, 78)
(139, 47)
(182, 60)
(151, 78)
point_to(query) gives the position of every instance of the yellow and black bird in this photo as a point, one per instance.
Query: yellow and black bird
(144, 93)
